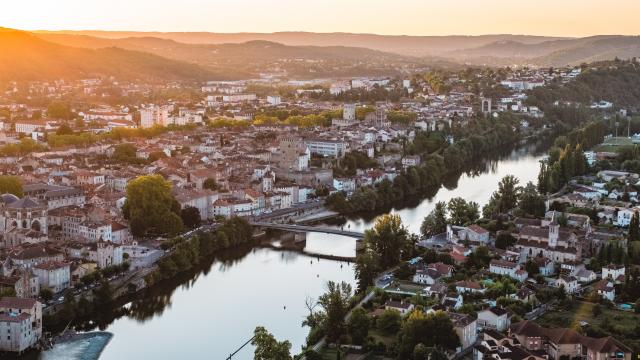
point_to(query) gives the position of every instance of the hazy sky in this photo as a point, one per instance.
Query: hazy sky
(410, 17)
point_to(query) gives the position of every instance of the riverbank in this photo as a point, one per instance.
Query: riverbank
(415, 184)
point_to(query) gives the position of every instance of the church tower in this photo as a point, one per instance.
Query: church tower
(554, 234)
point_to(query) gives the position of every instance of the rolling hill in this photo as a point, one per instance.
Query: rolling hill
(491, 50)
(421, 46)
(258, 56)
(25, 56)
(551, 53)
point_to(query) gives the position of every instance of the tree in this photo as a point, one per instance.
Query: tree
(438, 354)
(596, 310)
(190, 217)
(210, 184)
(366, 268)
(335, 304)
(151, 206)
(430, 330)
(358, 325)
(64, 129)
(462, 212)
(436, 222)
(634, 227)
(387, 239)
(268, 348)
(504, 240)
(508, 193)
(389, 321)
(10, 185)
(125, 153)
(531, 267)
(46, 294)
(530, 202)
(156, 155)
(478, 259)
(420, 352)
(59, 110)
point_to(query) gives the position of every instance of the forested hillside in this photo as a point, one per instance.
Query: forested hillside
(615, 81)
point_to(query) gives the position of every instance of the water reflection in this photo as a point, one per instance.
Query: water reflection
(476, 184)
(207, 312)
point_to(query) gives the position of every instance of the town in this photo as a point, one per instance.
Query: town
(110, 187)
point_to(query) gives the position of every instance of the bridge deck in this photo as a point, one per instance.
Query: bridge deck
(302, 228)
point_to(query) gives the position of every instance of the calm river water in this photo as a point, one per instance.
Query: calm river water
(209, 313)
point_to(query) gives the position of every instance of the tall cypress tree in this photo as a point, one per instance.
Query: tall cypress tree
(634, 227)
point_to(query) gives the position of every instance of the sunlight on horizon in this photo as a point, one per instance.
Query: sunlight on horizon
(408, 17)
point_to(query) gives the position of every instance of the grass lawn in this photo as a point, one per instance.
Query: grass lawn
(405, 286)
(380, 336)
(613, 144)
(622, 325)
(329, 354)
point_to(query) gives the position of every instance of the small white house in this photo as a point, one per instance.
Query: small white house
(403, 307)
(494, 318)
(613, 272)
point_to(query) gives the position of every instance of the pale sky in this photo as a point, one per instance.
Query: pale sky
(408, 17)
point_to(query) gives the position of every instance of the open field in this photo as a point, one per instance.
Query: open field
(623, 325)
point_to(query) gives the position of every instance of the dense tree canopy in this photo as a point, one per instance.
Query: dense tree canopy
(335, 304)
(150, 206)
(388, 238)
(10, 185)
(268, 348)
(431, 330)
(190, 217)
(436, 222)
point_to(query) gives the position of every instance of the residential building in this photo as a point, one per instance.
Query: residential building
(54, 275)
(495, 318)
(20, 323)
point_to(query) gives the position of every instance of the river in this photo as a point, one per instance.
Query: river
(209, 313)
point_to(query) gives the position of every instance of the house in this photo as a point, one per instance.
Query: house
(344, 184)
(120, 234)
(54, 275)
(452, 302)
(623, 218)
(444, 269)
(466, 286)
(605, 289)
(410, 161)
(585, 276)
(568, 282)
(438, 290)
(426, 276)
(613, 272)
(103, 253)
(477, 233)
(466, 327)
(432, 273)
(605, 348)
(20, 323)
(494, 345)
(403, 307)
(563, 343)
(508, 268)
(28, 255)
(495, 318)
(545, 266)
(472, 233)
(525, 295)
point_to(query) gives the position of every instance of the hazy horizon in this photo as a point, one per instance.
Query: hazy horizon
(569, 18)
